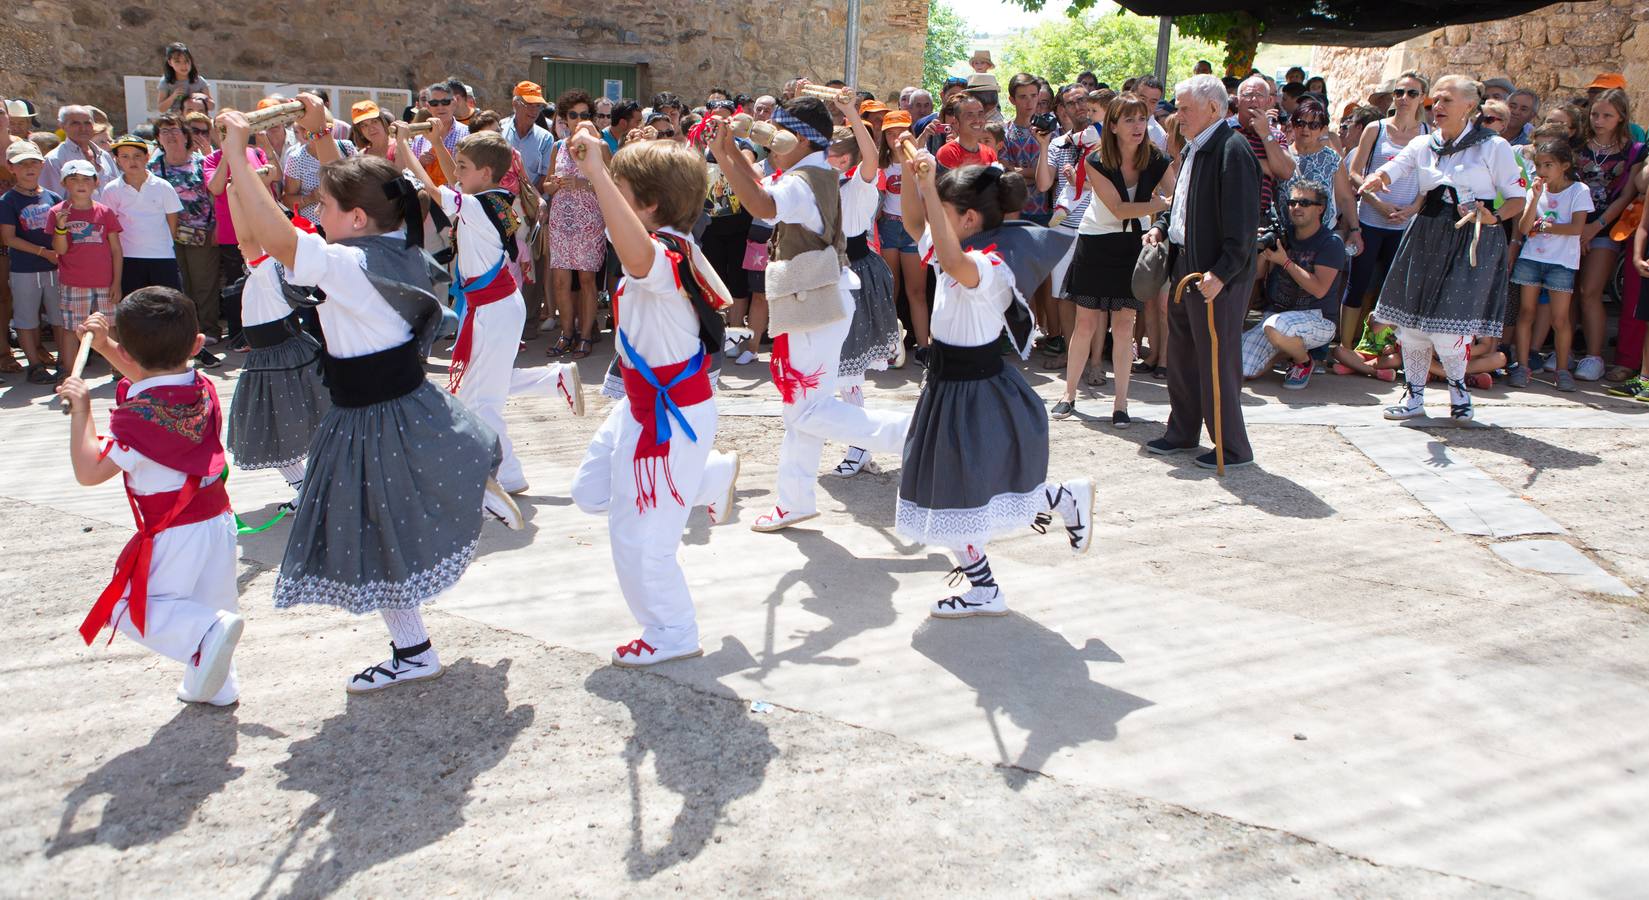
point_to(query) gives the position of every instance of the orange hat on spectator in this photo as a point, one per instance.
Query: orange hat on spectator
(530, 93)
(895, 119)
(267, 102)
(1608, 80)
(870, 107)
(362, 111)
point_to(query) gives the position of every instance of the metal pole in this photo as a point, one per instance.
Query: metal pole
(850, 71)
(1165, 31)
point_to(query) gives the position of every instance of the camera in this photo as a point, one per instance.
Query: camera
(1047, 122)
(1270, 235)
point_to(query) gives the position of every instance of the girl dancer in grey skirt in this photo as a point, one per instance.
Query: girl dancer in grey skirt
(976, 455)
(1448, 282)
(390, 511)
(279, 399)
(873, 337)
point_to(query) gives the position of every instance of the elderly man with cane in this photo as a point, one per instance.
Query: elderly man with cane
(1210, 229)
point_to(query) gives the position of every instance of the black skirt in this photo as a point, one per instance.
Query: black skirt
(1101, 275)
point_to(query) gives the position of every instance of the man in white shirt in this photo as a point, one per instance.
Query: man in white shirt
(78, 131)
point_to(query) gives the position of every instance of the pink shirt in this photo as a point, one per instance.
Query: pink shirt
(88, 264)
(220, 202)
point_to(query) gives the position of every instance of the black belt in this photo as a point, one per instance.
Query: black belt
(858, 246)
(271, 334)
(373, 378)
(1441, 201)
(948, 362)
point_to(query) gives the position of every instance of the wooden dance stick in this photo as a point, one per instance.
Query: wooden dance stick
(80, 356)
(763, 134)
(1477, 234)
(424, 127)
(578, 149)
(1213, 369)
(284, 113)
(830, 94)
(907, 144)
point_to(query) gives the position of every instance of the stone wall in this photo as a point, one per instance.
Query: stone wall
(58, 51)
(1556, 51)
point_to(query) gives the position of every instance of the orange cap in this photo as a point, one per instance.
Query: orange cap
(895, 119)
(870, 107)
(267, 102)
(1608, 80)
(362, 111)
(530, 93)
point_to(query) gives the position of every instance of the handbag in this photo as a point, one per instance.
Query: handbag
(1150, 271)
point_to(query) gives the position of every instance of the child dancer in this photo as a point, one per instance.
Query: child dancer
(174, 586)
(809, 302)
(493, 311)
(976, 461)
(1553, 220)
(279, 400)
(387, 518)
(873, 334)
(663, 429)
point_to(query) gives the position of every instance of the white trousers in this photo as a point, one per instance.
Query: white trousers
(1417, 349)
(492, 378)
(819, 415)
(191, 578)
(645, 540)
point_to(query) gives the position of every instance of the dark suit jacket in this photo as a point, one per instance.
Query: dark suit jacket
(1222, 208)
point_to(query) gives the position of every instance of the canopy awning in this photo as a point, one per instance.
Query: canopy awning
(1353, 23)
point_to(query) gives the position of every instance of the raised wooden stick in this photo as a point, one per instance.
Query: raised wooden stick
(80, 356)
(829, 94)
(913, 154)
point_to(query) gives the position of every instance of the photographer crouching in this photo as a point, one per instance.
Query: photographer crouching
(1304, 266)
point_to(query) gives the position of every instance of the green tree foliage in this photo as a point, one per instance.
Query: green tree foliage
(1114, 47)
(947, 43)
(1237, 31)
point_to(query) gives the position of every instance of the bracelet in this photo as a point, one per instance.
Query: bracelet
(61, 230)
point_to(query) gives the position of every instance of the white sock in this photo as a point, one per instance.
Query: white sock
(1416, 365)
(406, 627)
(293, 474)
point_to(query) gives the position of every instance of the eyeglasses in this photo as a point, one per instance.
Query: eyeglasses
(1311, 123)
(1294, 204)
(203, 132)
(580, 115)
(1487, 119)
(446, 102)
(1406, 92)
(604, 115)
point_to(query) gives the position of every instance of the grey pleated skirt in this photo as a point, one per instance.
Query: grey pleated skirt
(976, 458)
(390, 509)
(279, 401)
(1433, 287)
(873, 336)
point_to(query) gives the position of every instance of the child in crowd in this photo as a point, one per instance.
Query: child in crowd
(1553, 221)
(86, 237)
(25, 230)
(493, 313)
(995, 136)
(164, 438)
(1483, 356)
(1376, 354)
(148, 207)
(665, 312)
(399, 470)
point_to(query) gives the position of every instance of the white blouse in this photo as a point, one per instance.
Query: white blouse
(1480, 172)
(356, 318)
(969, 317)
(261, 300)
(860, 202)
(657, 318)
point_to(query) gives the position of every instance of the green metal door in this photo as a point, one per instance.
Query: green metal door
(598, 79)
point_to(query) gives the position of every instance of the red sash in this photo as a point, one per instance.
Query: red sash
(502, 285)
(153, 513)
(643, 397)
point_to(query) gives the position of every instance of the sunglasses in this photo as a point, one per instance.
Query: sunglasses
(1311, 123)
(604, 115)
(1487, 119)
(1297, 204)
(446, 102)
(580, 115)
(203, 132)
(1406, 92)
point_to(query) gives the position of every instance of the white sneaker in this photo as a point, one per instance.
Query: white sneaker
(400, 668)
(852, 464)
(1590, 368)
(1550, 363)
(571, 386)
(205, 673)
(638, 654)
(1412, 407)
(1074, 502)
(745, 358)
(978, 601)
(497, 502)
(779, 520)
(721, 511)
(228, 695)
(899, 352)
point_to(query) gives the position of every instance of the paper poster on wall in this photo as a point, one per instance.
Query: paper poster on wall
(612, 89)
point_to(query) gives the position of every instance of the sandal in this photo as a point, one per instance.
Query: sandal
(562, 345)
(10, 365)
(40, 375)
(1095, 377)
(583, 348)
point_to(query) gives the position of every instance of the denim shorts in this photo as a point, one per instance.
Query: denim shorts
(1550, 276)
(893, 235)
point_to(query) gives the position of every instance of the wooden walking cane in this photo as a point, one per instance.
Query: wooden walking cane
(80, 356)
(1214, 368)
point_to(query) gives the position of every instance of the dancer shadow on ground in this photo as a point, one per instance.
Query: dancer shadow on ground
(850, 609)
(1537, 454)
(1036, 678)
(394, 771)
(706, 749)
(155, 790)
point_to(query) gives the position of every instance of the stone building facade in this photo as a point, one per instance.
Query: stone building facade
(58, 51)
(1556, 51)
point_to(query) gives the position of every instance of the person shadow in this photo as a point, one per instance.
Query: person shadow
(707, 749)
(1031, 674)
(154, 790)
(393, 771)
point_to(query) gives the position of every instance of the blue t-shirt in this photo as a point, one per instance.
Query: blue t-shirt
(1324, 248)
(31, 216)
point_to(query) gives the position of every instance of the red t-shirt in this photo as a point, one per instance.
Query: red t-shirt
(952, 156)
(88, 264)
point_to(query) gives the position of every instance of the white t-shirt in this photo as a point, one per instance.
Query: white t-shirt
(261, 300)
(893, 202)
(795, 205)
(1567, 207)
(657, 318)
(478, 244)
(860, 200)
(144, 232)
(969, 317)
(356, 318)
